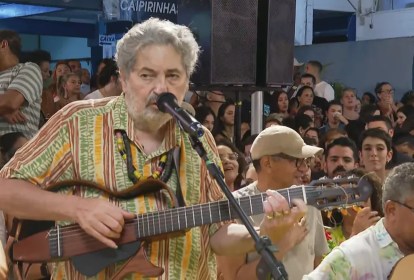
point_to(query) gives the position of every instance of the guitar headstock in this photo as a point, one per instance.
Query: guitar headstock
(334, 193)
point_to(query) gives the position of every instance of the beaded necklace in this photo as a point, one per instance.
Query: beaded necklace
(134, 175)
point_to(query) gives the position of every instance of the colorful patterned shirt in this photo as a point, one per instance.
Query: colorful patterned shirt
(334, 236)
(25, 78)
(79, 142)
(369, 255)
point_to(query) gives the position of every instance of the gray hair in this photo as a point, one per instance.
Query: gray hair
(157, 32)
(399, 184)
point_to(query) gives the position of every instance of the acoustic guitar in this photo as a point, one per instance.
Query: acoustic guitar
(89, 256)
(403, 269)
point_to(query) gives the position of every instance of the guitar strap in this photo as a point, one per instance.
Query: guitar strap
(178, 191)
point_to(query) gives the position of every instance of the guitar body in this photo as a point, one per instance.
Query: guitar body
(403, 269)
(92, 263)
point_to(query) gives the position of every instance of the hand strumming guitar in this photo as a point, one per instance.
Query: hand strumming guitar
(101, 219)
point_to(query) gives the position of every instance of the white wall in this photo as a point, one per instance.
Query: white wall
(385, 24)
(362, 64)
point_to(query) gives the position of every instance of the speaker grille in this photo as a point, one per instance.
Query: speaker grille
(233, 42)
(280, 42)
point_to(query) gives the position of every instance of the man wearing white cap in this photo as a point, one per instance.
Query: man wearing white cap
(280, 157)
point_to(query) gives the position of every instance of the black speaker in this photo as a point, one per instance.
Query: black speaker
(244, 42)
(227, 33)
(276, 22)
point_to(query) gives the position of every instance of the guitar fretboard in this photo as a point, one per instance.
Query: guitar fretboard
(178, 219)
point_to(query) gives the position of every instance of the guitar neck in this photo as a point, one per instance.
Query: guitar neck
(182, 218)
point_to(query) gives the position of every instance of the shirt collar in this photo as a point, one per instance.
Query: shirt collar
(383, 237)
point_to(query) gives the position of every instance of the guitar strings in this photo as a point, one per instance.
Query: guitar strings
(172, 214)
(74, 230)
(145, 218)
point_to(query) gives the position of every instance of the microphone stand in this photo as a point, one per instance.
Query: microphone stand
(269, 267)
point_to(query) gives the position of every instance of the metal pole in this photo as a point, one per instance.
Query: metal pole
(257, 112)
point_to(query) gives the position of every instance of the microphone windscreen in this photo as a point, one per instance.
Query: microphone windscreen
(164, 99)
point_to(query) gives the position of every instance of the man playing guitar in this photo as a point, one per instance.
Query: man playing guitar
(120, 143)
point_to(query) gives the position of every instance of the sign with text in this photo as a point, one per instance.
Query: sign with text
(140, 10)
(107, 39)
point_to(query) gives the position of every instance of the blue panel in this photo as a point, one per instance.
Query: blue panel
(334, 29)
(352, 28)
(45, 27)
(17, 10)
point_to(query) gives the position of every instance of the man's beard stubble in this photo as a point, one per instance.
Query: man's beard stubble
(150, 119)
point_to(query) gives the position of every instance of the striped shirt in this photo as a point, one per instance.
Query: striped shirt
(78, 142)
(25, 78)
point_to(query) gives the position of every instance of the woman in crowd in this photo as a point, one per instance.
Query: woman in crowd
(50, 94)
(305, 96)
(68, 89)
(233, 162)
(385, 103)
(205, 116)
(313, 133)
(224, 126)
(375, 151)
(403, 113)
(349, 102)
(282, 103)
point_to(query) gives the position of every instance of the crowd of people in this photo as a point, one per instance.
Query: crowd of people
(60, 126)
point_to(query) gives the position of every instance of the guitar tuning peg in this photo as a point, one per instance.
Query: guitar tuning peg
(329, 214)
(356, 208)
(344, 211)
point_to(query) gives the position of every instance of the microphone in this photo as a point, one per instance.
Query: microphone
(167, 103)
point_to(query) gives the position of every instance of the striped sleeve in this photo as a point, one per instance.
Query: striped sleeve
(46, 158)
(28, 82)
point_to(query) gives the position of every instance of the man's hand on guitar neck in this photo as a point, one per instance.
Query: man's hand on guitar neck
(101, 219)
(278, 217)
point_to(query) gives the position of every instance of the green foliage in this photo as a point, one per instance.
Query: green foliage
(338, 87)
